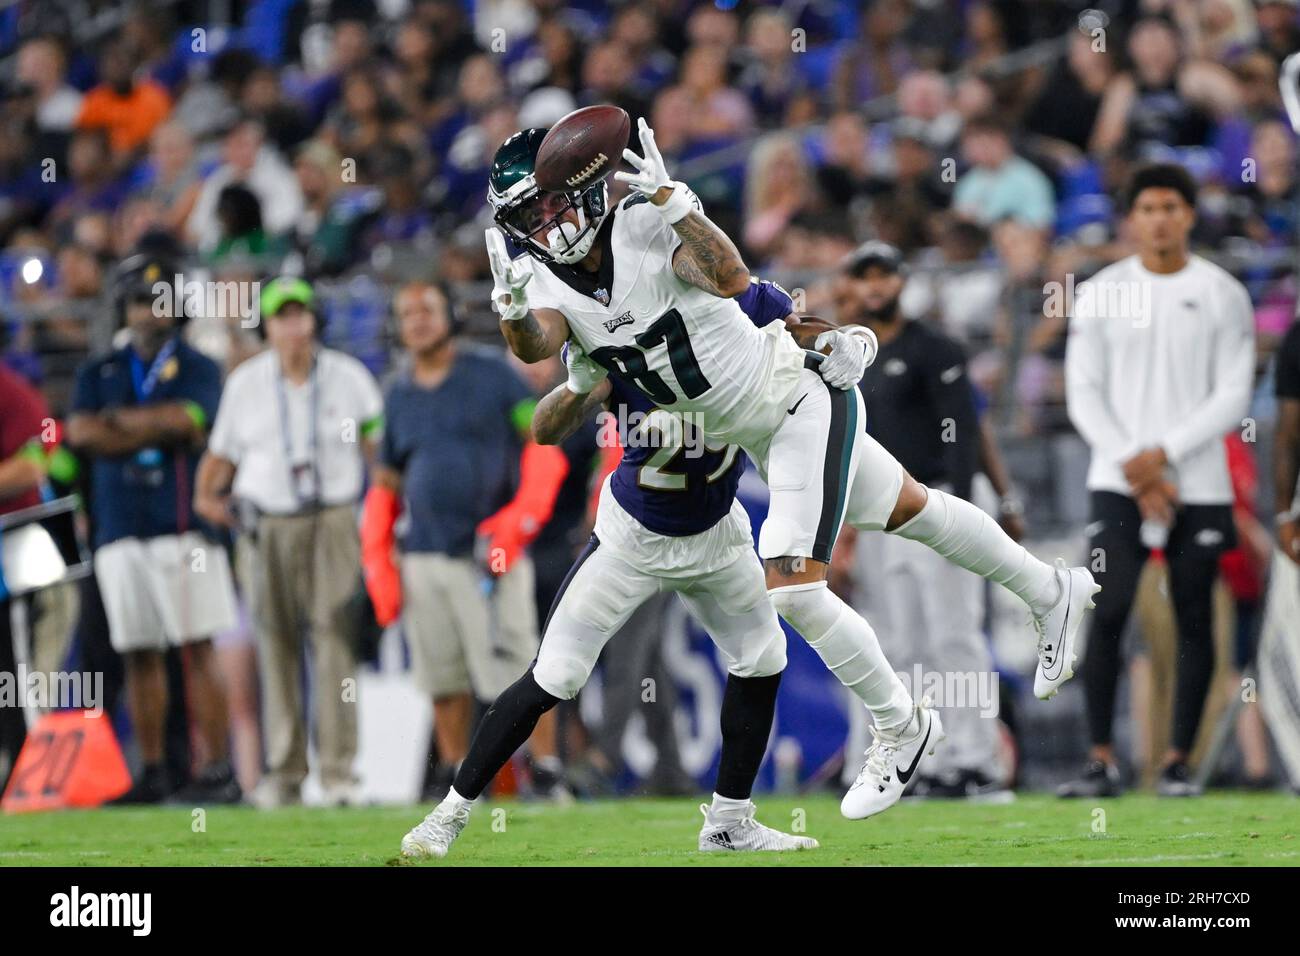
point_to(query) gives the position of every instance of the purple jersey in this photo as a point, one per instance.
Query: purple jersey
(686, 487)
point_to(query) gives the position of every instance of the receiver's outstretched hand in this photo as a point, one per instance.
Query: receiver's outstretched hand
(508, 281)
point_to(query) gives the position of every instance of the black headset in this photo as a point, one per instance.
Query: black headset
(141, 272)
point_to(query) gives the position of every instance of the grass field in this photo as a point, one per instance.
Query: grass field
(1220, 829)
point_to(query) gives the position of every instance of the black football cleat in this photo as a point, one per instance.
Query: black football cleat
(152, 786)
(215, 783)
(973, 785)
(1176, 781)
(1099, 779)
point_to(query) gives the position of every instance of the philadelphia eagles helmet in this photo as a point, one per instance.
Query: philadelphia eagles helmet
(534, 218)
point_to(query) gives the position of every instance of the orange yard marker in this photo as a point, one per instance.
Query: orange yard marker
(70, 759)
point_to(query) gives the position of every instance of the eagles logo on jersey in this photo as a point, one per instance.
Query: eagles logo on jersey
(532, 217)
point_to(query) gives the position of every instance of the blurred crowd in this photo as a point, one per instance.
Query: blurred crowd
(984, 138)
(349, 142)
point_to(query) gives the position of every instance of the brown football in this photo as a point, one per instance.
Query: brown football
(582, 148)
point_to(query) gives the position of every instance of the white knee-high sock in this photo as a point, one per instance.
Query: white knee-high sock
(969, 538)
(848, 646)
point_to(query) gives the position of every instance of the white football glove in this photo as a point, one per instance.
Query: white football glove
(852, 350)
(508, 281)
(584, 373)
(652, 175)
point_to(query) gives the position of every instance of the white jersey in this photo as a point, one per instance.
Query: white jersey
(686, 349)
(1163, 360)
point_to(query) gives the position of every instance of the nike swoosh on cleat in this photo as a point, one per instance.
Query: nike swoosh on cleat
(1065, 626)
(906, 775)
(791, 411)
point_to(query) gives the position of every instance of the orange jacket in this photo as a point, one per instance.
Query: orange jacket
(130, 119)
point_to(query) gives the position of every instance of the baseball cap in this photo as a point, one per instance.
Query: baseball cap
(280, 292)
(138, 274)
(873, 253)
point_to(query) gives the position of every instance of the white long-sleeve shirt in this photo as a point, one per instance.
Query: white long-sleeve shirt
(1165, 360)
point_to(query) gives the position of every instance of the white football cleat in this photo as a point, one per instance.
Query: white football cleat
(434, 835)
(891, 764)
(745, 833)
(1058, 629)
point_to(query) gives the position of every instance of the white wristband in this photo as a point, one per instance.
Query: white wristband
(870, 344)
(681, 202)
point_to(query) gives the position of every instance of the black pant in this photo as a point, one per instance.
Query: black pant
(1116, 556)
(13, 726)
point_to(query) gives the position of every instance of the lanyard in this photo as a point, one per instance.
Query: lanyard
(145, 381)
(313, 442)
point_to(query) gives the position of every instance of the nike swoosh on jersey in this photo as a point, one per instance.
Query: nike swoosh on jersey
(791, 411)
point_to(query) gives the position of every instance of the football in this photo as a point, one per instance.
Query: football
(582, 148)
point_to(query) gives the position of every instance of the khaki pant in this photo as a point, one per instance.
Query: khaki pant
(461, 640)
(1155, 617)
(303, 570)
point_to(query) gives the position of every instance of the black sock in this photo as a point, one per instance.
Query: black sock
(503, 730)
(748, 705)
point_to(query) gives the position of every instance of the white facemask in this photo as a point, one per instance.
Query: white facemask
(559, 237)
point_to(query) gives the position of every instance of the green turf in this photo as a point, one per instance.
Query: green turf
(1220, 829)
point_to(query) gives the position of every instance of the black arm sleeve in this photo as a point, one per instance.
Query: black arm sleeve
(953, 401)
(1288, 364)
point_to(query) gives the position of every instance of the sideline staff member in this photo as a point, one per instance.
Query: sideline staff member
(140, 414)
(458, 455)
(296, 427)
(930, 611)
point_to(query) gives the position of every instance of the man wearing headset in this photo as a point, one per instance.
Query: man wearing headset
(458, 460)
(296, 427)
(140, 415)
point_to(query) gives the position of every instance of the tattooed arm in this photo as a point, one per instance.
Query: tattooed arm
(538, 335)
(558, 415)
(707, 259)
(806, 328)
(532, 334)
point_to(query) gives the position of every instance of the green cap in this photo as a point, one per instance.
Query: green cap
(280, 292)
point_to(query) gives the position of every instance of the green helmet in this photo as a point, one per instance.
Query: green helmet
(534, 219)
